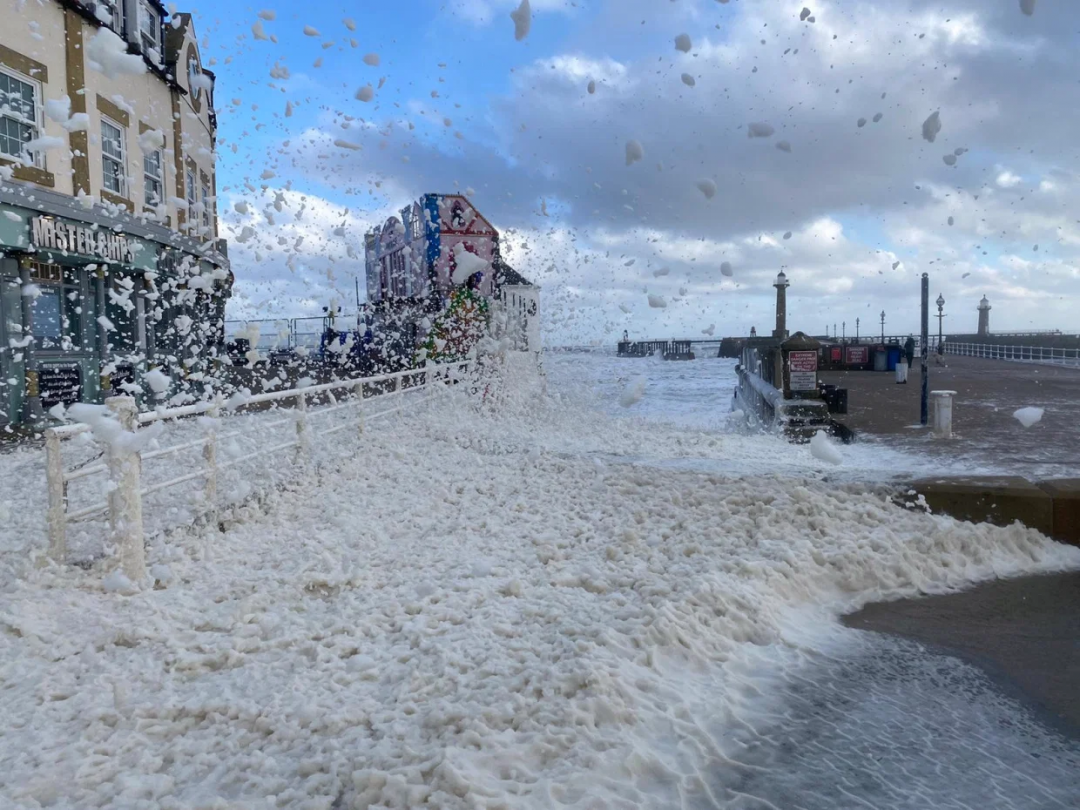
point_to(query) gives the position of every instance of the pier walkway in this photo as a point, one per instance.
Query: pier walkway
(985, 432)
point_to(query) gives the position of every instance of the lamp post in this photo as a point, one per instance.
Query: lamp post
(924, 334)
(843, 331)
(882, 327)
(856, 330)
(940, 315)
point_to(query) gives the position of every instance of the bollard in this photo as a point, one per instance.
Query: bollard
(210, 489)
(303, 437)
(54, 474)
(125, 499)
(943, 413)
(359, 389)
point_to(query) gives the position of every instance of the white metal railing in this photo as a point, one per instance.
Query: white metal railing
(124, 459)
(1025, 354)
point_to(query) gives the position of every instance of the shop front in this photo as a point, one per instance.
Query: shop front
(86, 308)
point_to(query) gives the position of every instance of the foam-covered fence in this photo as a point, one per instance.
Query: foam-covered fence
(188, 467)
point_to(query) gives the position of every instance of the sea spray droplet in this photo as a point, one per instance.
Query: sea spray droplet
(824, 450)
(522, 17)
(931, 127)
(633, 392)
(1028, 416)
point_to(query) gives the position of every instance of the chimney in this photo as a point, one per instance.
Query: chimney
(781, 306)
(984, 318)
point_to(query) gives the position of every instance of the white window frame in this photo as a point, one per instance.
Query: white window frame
(206, 206)
(149, 13)
(38, 157)
(118, 15)
(150, 179)
(189, 195)
(122, 160)
(196, 89)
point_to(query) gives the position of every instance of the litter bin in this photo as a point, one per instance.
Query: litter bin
(902, 371)
(881, 360)
(894, 357)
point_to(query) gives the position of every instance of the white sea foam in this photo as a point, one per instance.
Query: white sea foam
(472, 605)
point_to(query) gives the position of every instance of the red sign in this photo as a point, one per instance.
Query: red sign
(803, 361)
(858, 355)
(834, 354)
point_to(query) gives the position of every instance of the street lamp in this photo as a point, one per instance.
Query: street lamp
(843, 331)
(882, 327)
(940, 315)
(856, 330)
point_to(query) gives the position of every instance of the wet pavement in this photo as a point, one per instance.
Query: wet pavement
(1024, 633)
(986, 435)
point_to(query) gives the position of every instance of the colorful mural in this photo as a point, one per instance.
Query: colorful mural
(457, 331)
(418, 252)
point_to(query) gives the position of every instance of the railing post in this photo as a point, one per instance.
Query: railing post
(54, 475)
(303, 437)
(359, 388)
(210, 491)
(125, 500)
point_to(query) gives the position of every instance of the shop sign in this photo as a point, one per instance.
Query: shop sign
(48, 233)
(803, 367)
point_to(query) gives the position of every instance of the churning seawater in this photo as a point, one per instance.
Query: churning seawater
(837, 718)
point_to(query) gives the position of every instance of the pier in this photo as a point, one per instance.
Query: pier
(667, 349)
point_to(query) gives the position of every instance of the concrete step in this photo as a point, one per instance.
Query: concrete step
(1052, 507)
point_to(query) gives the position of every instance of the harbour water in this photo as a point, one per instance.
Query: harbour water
(836, 717)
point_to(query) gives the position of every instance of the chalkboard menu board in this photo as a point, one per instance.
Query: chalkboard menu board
(124, 374)
(59, 384)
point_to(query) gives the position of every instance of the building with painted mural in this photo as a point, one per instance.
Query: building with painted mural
(420, 262)
(110, 261)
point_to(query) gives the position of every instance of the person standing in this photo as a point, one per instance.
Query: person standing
(909, 350)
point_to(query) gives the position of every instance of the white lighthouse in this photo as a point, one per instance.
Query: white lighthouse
(984, 317)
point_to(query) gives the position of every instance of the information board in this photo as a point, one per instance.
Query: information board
(803, 366)
(858, 355)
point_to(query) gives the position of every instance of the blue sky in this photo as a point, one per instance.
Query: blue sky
(867, 207)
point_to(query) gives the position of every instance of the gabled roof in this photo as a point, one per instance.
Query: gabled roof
(510, 276)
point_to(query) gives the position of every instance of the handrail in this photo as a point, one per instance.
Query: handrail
(124, 505)
(1045, 355)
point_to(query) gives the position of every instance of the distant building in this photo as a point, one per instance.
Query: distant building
(109, 257)
(415, 261)
(422, 252)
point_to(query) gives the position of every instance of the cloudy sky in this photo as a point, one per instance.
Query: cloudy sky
(846, 194)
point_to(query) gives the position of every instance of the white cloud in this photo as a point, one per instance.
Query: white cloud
(856, 199)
